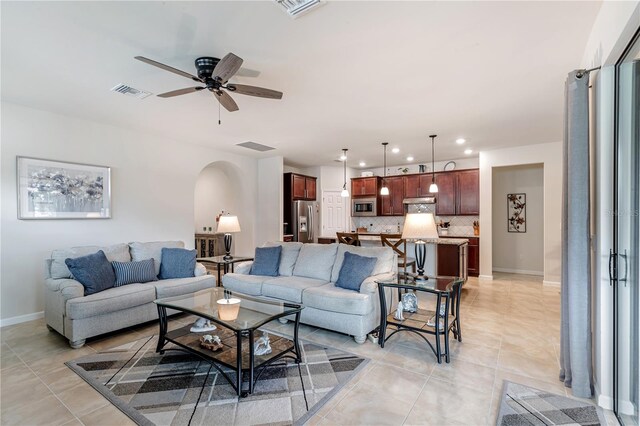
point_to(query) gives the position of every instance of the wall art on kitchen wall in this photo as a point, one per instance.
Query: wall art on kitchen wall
(50, 189)
(517, 212)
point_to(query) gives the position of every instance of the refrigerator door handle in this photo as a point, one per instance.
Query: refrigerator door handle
(310, 224)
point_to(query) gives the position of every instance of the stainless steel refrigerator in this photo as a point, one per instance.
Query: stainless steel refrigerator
(304, 221)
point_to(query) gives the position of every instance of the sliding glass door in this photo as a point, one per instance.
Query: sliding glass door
(627, 236)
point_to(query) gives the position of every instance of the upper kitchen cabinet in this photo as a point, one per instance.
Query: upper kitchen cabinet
(300, 187)
(468, 192)
(458, 193)
(365, 186)
(392, 203)
(417, 186)
(446, 196)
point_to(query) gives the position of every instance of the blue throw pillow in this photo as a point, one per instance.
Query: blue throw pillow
(134, 272)
(177, 263)
(93, 271)
(266, 261)
(354, 270)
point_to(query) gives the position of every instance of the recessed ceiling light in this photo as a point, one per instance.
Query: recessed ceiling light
(460, 141)
(409, 158)
(468, 151)
(362, 164)
(395, 150)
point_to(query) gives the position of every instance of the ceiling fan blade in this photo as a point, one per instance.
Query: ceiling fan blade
(226, 101)
(260, 92)
(168, 68)
(227, 67)
(180, 92)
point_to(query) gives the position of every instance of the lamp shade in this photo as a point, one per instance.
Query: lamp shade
(419, 226)
(228, 224)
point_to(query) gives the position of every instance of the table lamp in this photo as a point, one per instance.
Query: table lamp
(420, 227)
(228, 224)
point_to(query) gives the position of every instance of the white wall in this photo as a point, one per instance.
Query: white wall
(215, 191)
(461, 163)
(550, 155)
(269, 216)
(153, 186)
(512, 251)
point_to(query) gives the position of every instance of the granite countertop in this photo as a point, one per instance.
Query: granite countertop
(450, 241)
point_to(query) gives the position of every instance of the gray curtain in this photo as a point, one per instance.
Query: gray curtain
(575, 334)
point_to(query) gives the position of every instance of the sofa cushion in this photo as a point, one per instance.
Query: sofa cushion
(177, 263)
(111, 300)
(266, 261)
(93, 271)
(152, 250)
(180, 286)
(288, 257)
(247, 284)
(289, 288)
(354, 270)
(134, 272)
(117, 252)
(316, 261)
(385, 256)
(335, 299)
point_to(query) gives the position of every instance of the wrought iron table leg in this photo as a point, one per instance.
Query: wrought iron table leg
(383, 316)
(162, 321)
(251, 361)
(296, 343)
(239, 363)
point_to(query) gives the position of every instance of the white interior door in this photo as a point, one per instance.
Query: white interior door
(334, 213)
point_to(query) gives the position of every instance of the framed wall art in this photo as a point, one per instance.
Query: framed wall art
(517, 212)
(50, 189)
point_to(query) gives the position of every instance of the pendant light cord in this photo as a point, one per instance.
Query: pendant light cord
(344, 185)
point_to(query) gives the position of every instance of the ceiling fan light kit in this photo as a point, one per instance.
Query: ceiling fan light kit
(215, 73)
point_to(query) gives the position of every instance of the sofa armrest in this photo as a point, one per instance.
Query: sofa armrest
(369, 284)
(66, 287)
(243, 267)
(200, 270)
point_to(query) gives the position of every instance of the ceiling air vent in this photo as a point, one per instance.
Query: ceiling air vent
(295, 8)
(255, 146)
(130, 91)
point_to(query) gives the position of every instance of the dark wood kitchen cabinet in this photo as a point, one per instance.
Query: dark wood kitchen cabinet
(448, 260)
(365, 186)
(299, 187)
(417, 185)
(392, 203)
(473, 255)
(458, 193)
(468, 192)
(446, 196)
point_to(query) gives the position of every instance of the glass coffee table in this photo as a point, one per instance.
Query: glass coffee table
(236, 331)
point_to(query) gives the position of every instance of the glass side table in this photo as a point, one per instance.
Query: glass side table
(424, 322)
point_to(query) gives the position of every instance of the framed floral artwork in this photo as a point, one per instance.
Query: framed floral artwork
(517, 212)
(50, 189)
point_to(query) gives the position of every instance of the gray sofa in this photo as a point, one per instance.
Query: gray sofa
(307, 275)
(78, 317)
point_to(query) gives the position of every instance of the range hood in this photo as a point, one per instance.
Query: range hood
(420, 200)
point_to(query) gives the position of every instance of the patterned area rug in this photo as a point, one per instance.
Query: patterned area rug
(181, 389)
(522, 405)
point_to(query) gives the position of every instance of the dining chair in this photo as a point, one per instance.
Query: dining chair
(399, 245)
(350, 238)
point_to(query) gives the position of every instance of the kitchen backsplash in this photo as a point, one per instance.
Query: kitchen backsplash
(460, 225)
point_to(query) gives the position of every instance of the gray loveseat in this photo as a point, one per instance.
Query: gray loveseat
(77, 317)
(307, 275)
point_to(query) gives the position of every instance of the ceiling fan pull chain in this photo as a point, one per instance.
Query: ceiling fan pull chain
(219, 122)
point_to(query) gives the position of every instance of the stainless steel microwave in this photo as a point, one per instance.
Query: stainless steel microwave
(364, 207)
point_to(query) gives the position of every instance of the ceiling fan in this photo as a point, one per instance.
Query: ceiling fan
(215, 73)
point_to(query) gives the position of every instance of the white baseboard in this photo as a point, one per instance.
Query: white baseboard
(518, 271)
(486, 277)
(551, 283)
(21, 318)
(604, 401)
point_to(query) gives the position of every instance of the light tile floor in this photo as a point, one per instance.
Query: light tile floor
(510, 332)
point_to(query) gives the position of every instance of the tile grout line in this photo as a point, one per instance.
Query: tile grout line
(47, 386)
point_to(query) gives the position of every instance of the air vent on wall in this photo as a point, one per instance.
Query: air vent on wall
(130, 91)
(255, 146)
(295, 8)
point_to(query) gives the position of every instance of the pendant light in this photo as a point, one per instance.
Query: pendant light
(384, 190)
(345, 192)
(433, 188)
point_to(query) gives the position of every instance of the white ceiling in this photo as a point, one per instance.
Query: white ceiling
(353, 74)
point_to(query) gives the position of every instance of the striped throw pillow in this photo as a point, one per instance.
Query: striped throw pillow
(134, 272)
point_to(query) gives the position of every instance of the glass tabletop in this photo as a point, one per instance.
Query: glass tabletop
(221, 260)
(221, 306)
(440, 283)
